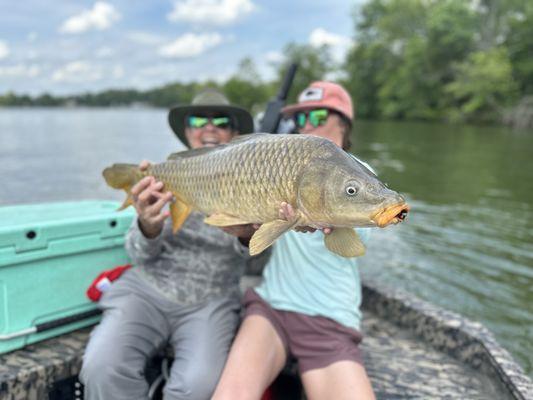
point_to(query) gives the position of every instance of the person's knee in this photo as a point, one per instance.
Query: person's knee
(97, 369)
(192, 384)
(106, 370)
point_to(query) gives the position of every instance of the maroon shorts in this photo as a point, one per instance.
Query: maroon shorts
(315, 342)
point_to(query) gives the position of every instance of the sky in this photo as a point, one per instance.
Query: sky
(67, 47)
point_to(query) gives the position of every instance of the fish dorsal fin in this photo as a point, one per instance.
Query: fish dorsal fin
(268, 233)
(205, 150)
(345, 242)
(192, 152)
(249, 136)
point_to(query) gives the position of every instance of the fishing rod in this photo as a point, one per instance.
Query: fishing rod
(272, 116)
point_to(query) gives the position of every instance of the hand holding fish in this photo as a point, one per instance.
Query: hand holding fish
(287, 213)
(243, 232)
(149, 200)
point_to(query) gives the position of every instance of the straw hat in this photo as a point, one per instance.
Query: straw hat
(213, 102)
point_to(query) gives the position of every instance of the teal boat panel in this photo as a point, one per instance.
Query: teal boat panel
(49, 255)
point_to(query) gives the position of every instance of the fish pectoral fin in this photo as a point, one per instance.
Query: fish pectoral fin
(345, 242)
(268, 233)
(179, 211)
(221, 219)
(128, 202)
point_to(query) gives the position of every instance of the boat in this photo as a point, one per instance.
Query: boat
(411, 348)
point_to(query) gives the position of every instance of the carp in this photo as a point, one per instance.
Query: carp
(245, 181)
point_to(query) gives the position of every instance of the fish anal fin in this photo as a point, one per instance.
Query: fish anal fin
(179, 211)
(221, 219)
(345, 242)
(268, 233)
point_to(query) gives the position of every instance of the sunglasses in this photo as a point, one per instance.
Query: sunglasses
(316, 117)
(194, 121)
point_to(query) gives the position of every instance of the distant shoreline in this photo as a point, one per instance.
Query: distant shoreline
(515, 118)
(83, 106)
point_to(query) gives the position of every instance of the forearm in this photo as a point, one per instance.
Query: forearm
(140, 248)
(149, 232)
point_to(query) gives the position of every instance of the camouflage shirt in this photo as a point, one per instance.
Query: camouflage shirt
(197, 263)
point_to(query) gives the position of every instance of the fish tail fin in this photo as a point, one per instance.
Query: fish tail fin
(123, 176)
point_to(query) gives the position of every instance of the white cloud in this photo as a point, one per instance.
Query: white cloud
(100, 17)
(145, 38)
(274, 57)
(190, 45)
(32, 54)
(320, 37)
(77, 71)
(32, 37)
(4, 49)
(210, 12)
(211, 76)
(104, 52)
(20, 70)
(156, 70)
(339, 44)
(118, 71)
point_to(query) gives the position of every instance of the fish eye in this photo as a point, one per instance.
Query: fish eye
(351, 190)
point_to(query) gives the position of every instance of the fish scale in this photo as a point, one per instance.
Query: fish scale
(259, 175)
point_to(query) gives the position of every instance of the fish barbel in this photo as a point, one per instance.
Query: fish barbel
(245, 180)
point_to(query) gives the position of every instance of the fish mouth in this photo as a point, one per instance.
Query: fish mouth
(391, 215)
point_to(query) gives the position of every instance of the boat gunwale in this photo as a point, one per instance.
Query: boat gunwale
(465, 340)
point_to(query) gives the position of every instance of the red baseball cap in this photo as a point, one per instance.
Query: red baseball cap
(322, 94)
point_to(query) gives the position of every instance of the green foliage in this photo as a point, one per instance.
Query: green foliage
(12, 100)
(362, 81)
(404, 56)
(313, 64)
(170, 95)
(246, 89)
(519, 43)
(484, 84)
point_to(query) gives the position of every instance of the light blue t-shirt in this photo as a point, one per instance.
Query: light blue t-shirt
(304, 276)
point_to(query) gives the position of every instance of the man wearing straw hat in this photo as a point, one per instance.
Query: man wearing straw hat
(190, 122)
(183, 289)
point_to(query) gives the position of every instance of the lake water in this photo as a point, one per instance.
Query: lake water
(466, 245)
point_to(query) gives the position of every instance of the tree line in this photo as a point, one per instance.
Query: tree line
(435, 60)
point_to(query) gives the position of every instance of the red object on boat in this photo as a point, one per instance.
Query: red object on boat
(103, 281)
